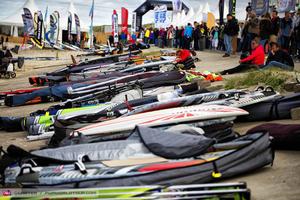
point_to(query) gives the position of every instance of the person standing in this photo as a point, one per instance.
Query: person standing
(293, 47)
(188, 33)
(214, 38)
(180, 35)
(147, 36)
(156, 36)
(235, 40)
(176, 37)
(230, 30)
(170, 37)
(250, 31)
(265, 27)
(285, 32)
(297, 34)
(196, 35)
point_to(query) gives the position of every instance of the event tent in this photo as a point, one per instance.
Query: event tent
(15, 20)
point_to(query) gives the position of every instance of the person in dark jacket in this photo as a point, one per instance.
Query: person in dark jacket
(265, 27)
(286, 26)
(279, 58)
(180, 36)
(275, 23)
(196, 36)
(231, 29)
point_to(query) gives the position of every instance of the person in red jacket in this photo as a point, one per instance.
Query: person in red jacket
(254, 61)
(184, 57)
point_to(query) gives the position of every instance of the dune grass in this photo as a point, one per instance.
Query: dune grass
(151, 53)
(273, 78)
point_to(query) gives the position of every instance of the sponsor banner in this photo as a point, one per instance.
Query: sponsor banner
(160, 17)
(77, 23)
(115, 26)
(177, 5)
(133, 23)
(28, 22)
(124, 20)
(232, 7)
(285, 5)
(261, 7)
(221, 11)
(39, 33)
(69, 27)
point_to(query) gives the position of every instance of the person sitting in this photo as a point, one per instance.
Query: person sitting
(279, 58)
(255, 60)
(184, 58)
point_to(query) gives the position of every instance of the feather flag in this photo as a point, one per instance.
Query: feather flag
(91, 15)
(232, 6)
(124, 20)
(221, 11)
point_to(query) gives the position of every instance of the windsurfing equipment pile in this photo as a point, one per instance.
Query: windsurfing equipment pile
(237, 191)
(146, 157)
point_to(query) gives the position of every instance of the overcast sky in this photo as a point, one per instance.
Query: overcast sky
(103, 8)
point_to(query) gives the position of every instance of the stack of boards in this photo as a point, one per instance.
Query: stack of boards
(236, 191)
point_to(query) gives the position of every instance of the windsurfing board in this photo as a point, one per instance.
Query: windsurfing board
(162, 118)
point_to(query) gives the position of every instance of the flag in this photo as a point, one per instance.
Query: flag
(177, 5)
(45, 21)
(124, 20)
(232, 6)
(286, 5)
(221, 11)
(77, 24)
(261, 7)
(91, 15)
(115, 26)
(46, 14)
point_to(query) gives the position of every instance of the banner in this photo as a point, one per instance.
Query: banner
(221, 11)
(133, 23)
(39, 33)
(160, 16)
(285, 5)
(232, 6)
(37, 37)
(115, 26)
(69, 27)
(52, 35)
(261, 7)
(177, 5)
(28, 22)
(91, 15)
(78, 33)
(124, 16)
(57, 19)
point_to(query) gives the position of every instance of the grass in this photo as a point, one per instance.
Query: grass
(273, 78)
(151, 53)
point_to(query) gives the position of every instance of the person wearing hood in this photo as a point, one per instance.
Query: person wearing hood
(254, 61)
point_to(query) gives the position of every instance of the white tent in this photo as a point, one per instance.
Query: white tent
(16, 18)
(64, 19)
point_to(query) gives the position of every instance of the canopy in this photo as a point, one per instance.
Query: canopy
(16, 18)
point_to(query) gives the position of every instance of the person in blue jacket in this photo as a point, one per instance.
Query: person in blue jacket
(188, 34)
